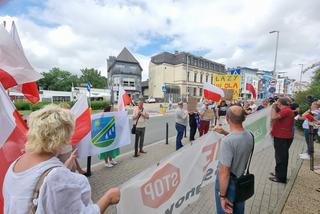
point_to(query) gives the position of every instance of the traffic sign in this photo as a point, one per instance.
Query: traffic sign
(235, 71)
(272, 90)
(273, 82)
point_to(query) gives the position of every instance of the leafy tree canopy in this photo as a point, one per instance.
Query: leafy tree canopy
(60, 80)
(95, 78)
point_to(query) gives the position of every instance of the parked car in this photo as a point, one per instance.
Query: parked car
(150, 100)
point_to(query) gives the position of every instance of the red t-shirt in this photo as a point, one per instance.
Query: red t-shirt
(283, 127)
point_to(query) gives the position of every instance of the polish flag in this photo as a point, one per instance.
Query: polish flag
(82, 129)
(250, 88)
(212, 92)
(123, 99)
(12, 138)
(14, 66)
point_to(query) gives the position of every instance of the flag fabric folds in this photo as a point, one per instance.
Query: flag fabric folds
(123, 100)
(14, 66)
(81, 113)
(212, 92)
(12, 138)
(250, 88)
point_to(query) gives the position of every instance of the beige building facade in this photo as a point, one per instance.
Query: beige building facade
(175, 76)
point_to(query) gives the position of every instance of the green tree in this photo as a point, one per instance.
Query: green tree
(314, 90)
(58, 80)
(95, 78)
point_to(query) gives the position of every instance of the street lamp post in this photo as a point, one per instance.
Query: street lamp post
(276, 54)
(301, 72)
(187, 78)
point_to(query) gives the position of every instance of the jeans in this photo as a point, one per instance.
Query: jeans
(193, 130)
(281, 151)
(180, 131)
(306, 136)
(139, 137)
(238, 207)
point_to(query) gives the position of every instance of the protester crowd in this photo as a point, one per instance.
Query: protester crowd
(49, 161)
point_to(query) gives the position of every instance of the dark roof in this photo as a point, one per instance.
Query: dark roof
(181, 58)
(126, 56)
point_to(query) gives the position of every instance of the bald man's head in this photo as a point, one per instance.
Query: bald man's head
(236, 114)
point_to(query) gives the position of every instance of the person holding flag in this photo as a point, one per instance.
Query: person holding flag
(38, 182)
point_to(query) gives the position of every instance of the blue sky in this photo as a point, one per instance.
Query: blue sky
(74, 34)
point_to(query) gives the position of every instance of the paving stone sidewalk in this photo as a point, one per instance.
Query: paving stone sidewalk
(267, 193)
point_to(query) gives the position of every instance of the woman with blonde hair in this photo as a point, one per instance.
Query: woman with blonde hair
(38, 182)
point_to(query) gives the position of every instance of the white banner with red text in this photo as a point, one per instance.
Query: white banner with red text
(176, 181)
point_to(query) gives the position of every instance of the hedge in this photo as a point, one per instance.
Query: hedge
(95, 105)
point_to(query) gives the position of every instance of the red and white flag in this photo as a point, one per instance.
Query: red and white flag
(81, 113)
(123, 99)
(14, 66)
(12, 137)
(212, 92)
(251, 88)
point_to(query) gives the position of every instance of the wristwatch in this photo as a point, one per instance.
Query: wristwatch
(221, 196)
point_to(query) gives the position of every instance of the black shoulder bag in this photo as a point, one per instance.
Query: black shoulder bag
(245, 183)
(134, 126)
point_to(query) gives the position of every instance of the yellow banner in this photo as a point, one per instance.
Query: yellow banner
(228, 81)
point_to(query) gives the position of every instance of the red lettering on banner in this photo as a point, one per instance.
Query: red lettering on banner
(161, 186)
(213, 149)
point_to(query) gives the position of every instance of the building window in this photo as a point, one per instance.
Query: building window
(60, 98)
(194, 91)
(207, 77)
(212, 79)
(188, 76)
(195, 77)
(125, 83)
(131, 84)
(200, 92)
(201, 76)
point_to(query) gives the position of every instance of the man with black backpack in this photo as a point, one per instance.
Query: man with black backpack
(234, 183)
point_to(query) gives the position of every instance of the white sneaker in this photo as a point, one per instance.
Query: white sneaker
(113, 162)
(305, 157)
(109, 165)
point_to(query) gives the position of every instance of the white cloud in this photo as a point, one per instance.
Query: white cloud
(80, 34)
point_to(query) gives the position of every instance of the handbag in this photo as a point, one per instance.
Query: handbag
(134, 126)
(245, 183)
(36, 191)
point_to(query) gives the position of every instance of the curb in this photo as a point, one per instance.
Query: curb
(129, 153)
(281, 203)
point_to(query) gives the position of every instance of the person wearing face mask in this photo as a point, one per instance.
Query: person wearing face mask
(282, 131)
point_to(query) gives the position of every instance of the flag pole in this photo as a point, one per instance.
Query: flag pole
(88, 174)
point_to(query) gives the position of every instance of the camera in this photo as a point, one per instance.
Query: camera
(311, 99)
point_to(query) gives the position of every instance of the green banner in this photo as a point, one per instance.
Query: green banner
(259, 129)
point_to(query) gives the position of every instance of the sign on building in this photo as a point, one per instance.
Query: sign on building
(228, 81)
